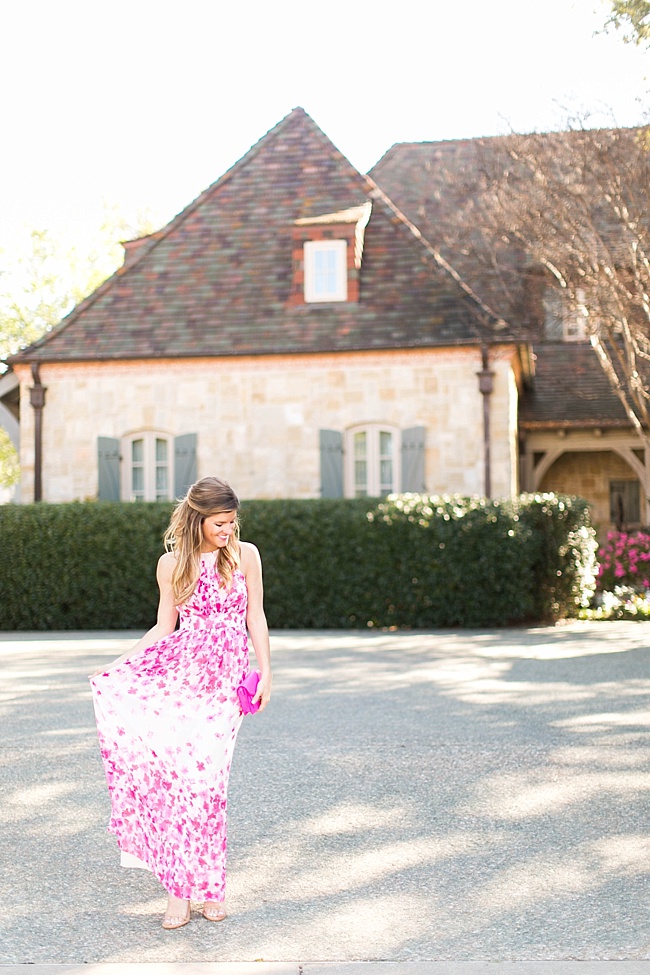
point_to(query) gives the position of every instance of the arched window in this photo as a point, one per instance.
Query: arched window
(148, 469)
(145, 466)
(372, 457)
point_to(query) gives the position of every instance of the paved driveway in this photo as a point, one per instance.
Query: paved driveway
(406, 797)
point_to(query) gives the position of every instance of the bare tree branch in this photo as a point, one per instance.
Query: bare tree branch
(574, 208)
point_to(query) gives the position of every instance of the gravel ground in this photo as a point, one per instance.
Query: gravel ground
(407, 797)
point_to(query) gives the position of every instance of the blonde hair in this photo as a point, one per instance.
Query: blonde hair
(184, 536)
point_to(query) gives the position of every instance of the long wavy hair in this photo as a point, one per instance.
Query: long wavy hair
(184, 536)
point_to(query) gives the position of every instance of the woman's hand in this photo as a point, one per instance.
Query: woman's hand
(167, 615)
(258, 630)
(105, 669)
(263, 692)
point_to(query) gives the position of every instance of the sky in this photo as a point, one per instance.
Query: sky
(142, 104)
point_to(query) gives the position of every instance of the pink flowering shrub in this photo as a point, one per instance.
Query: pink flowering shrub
(624, 561)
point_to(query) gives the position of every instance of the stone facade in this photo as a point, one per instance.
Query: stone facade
(585, 470)
(212, 346)
(257, 418)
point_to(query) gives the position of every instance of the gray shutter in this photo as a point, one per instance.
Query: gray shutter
(331, 464)
(184, 463)
(413, 460)
(108, 469)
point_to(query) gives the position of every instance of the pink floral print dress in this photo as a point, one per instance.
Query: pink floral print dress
(167, 720)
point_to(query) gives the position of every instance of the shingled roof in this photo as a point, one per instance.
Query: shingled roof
(570, 389)
(434, 182)
(217, 280)
(453, 191)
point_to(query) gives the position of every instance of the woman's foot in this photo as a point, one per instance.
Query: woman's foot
(177, 914)
(214, 911)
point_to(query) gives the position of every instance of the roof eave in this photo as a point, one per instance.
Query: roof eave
(584, 424)
(241, 353)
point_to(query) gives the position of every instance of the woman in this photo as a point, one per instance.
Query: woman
(167, 710)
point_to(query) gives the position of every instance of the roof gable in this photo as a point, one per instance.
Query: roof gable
(217, 280)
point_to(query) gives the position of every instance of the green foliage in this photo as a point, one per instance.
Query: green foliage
(9, 467)
(80, 566)
(42, 279)
(40, 285)
(565, 561)
(319, 561)
(407, 561)
(632, 17)
(489, 563)
(621, 604)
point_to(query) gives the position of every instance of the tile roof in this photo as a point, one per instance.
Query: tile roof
(217, 279)
(432, 182)
(570, 389)
(446, 189)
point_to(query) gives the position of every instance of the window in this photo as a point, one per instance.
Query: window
(145, 466)
(326, 272)
(148, 473)
(326, 254)
(564, 322)
(624, 503)
(373, 461)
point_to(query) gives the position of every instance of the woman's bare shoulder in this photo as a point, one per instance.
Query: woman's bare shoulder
(249, 556)
(166, 564)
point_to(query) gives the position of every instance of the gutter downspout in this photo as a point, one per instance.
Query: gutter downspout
(486, 385)
(37, 400)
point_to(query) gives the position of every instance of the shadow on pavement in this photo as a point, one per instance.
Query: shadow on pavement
(407, 796)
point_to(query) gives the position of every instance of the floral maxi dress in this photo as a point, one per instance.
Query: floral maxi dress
(167, 720)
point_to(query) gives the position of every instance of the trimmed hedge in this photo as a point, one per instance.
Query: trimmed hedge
(408, 561)
(80, 566)
(415, 561)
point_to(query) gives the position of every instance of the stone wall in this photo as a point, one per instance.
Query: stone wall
(257, 418)
(588, 474)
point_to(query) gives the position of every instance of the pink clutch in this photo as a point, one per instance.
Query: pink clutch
(246, 692)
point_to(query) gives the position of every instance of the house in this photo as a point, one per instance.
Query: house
(297, 331)
(574, 434)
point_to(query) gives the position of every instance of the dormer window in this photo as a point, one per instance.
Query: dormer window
(565, 321)
(327, 254)
(326, 270)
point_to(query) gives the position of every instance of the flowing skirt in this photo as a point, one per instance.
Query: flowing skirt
(167, 721)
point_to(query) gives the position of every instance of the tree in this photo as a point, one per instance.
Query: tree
(571, 210)
(9, 469)
(43, 280)
(633, 17)
(38, 289)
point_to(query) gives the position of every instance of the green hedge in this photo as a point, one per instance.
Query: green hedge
(80, 566)
(409, 561)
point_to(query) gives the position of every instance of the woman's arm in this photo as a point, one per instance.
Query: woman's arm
(251, 565)
(167, 613)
